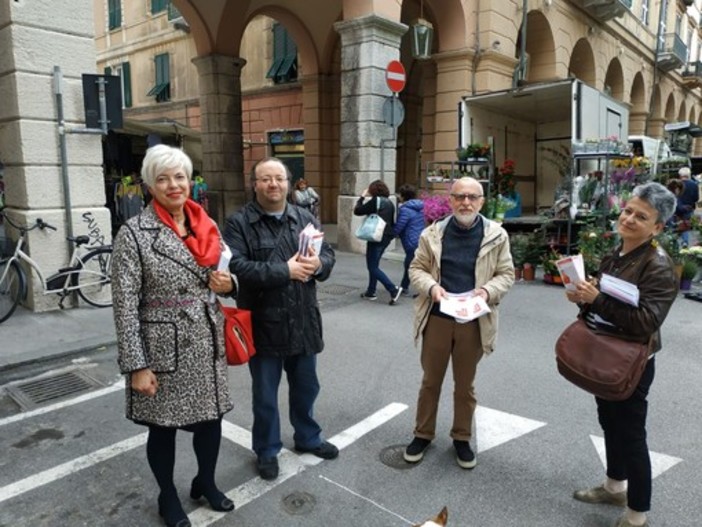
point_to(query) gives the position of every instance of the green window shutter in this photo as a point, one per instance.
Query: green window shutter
(126, 85)
(279, 37)
(158, 5)
(108, 70)
(162, 89)
(114, 8)
(284, 67)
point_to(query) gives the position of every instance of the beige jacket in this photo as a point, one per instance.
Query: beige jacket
(494, 272)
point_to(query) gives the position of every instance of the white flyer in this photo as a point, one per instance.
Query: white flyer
(464, 307)
(619, 289)
(572, 270)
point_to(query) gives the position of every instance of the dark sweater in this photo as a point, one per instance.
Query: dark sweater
(459, 252)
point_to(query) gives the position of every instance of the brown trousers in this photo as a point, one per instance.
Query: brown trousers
(446, 339)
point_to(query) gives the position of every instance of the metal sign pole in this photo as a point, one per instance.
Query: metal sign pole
(58, 92)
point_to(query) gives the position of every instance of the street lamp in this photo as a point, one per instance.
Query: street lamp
(422, 35)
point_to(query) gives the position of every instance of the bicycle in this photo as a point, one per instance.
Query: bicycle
(88, 274)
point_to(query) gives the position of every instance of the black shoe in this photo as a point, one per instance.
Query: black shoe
(268, 467)
(415, 450)
(369, 296)
(217, 499)
(464, 454)
(395, 296)
(170, 509)
(326, 450)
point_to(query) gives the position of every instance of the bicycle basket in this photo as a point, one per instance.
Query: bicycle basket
(7, 247)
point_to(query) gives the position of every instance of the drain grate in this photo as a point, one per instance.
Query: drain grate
(299, 503)
(392, 457)
(51, 388)
(335, 289)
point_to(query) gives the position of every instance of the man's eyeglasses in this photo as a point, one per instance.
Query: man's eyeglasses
(269, 180)
(470, 197)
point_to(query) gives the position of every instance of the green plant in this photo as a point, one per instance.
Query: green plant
(549, 259)
(689, 269)
(534, 248)
(519, 245)
(559, 158)
(669, 240)
(594, 243)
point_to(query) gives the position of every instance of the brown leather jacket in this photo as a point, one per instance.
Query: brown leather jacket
(651, 269)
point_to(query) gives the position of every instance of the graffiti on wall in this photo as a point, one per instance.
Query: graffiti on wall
(94, 231)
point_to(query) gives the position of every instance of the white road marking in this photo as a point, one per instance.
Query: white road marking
(378, 505)
(659, 462)
(119, 385)
(290, 464)
(494, 427)
(70, 467)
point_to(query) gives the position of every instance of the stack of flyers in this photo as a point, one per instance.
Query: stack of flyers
(310, 237)
(572, 270)
(620, 289)
(464, 307)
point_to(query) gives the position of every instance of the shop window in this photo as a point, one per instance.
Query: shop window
(162, 86)
(284, 66)
(114, 9)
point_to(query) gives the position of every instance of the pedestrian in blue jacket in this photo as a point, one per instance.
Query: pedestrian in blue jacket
(409, 225)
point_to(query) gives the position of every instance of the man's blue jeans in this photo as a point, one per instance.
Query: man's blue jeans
(374, 251)
(301, 372)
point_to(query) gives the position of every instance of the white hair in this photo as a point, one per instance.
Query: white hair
(684, 172)
(160, 158)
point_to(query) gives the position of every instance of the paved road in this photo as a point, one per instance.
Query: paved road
(537, 438)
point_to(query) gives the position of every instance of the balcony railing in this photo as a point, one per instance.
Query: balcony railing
(692, 76)
(673, 53)
(604, 10)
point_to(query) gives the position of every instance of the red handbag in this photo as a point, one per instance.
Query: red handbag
(238, 335)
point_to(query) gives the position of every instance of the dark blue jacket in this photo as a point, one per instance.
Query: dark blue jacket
(410, 223)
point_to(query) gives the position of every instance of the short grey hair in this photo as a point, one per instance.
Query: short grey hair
(160, 158)
(659, 197)
(684, 172)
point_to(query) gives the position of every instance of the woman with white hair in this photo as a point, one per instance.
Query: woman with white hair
(170, 333)
(638, 260)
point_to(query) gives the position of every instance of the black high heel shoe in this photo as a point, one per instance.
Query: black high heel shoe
(172, 512)
(216, 498)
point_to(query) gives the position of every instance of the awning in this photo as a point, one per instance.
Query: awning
(189, 139)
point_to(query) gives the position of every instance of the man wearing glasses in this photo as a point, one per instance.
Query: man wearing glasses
(464, 253)
(278, 285)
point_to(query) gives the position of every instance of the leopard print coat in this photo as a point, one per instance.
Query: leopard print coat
(165, 321)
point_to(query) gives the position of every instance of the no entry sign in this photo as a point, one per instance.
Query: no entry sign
(395, 76)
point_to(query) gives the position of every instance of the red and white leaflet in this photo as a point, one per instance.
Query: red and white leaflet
(464, 307)
(572, 270)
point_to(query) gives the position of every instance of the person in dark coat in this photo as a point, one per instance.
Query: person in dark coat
(278, 286)
(170, 337)
(409, 225)
(639, 261)
(379, 203)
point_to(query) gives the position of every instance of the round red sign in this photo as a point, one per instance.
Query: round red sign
(395, 76)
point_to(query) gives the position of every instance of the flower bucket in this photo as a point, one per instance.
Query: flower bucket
(517, 210)
(685, 284)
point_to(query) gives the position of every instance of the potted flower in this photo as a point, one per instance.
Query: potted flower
(594, 243)
(532, 255)
(689, 271)
(497, 206)
(548, 260)
(519, 244)
(436, 207)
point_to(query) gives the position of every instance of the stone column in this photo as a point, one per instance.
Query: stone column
(637, 123)
(36, 37)
(656, 127)
(368, 44)
(222, 137)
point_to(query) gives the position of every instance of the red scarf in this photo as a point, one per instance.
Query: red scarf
(204, 242)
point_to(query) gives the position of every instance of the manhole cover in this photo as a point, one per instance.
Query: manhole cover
(51, 388)
(335, 289)
(392, 457)
(299, 503)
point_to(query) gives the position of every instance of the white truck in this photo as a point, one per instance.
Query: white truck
(536, 125)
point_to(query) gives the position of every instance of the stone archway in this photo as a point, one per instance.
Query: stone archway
(682, 113)
(540, 48)
(670, 114)
(614, 80)
(582, 63)
(639, 110)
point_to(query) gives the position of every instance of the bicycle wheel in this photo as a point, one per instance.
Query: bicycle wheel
(11, 288)
(94, 280)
